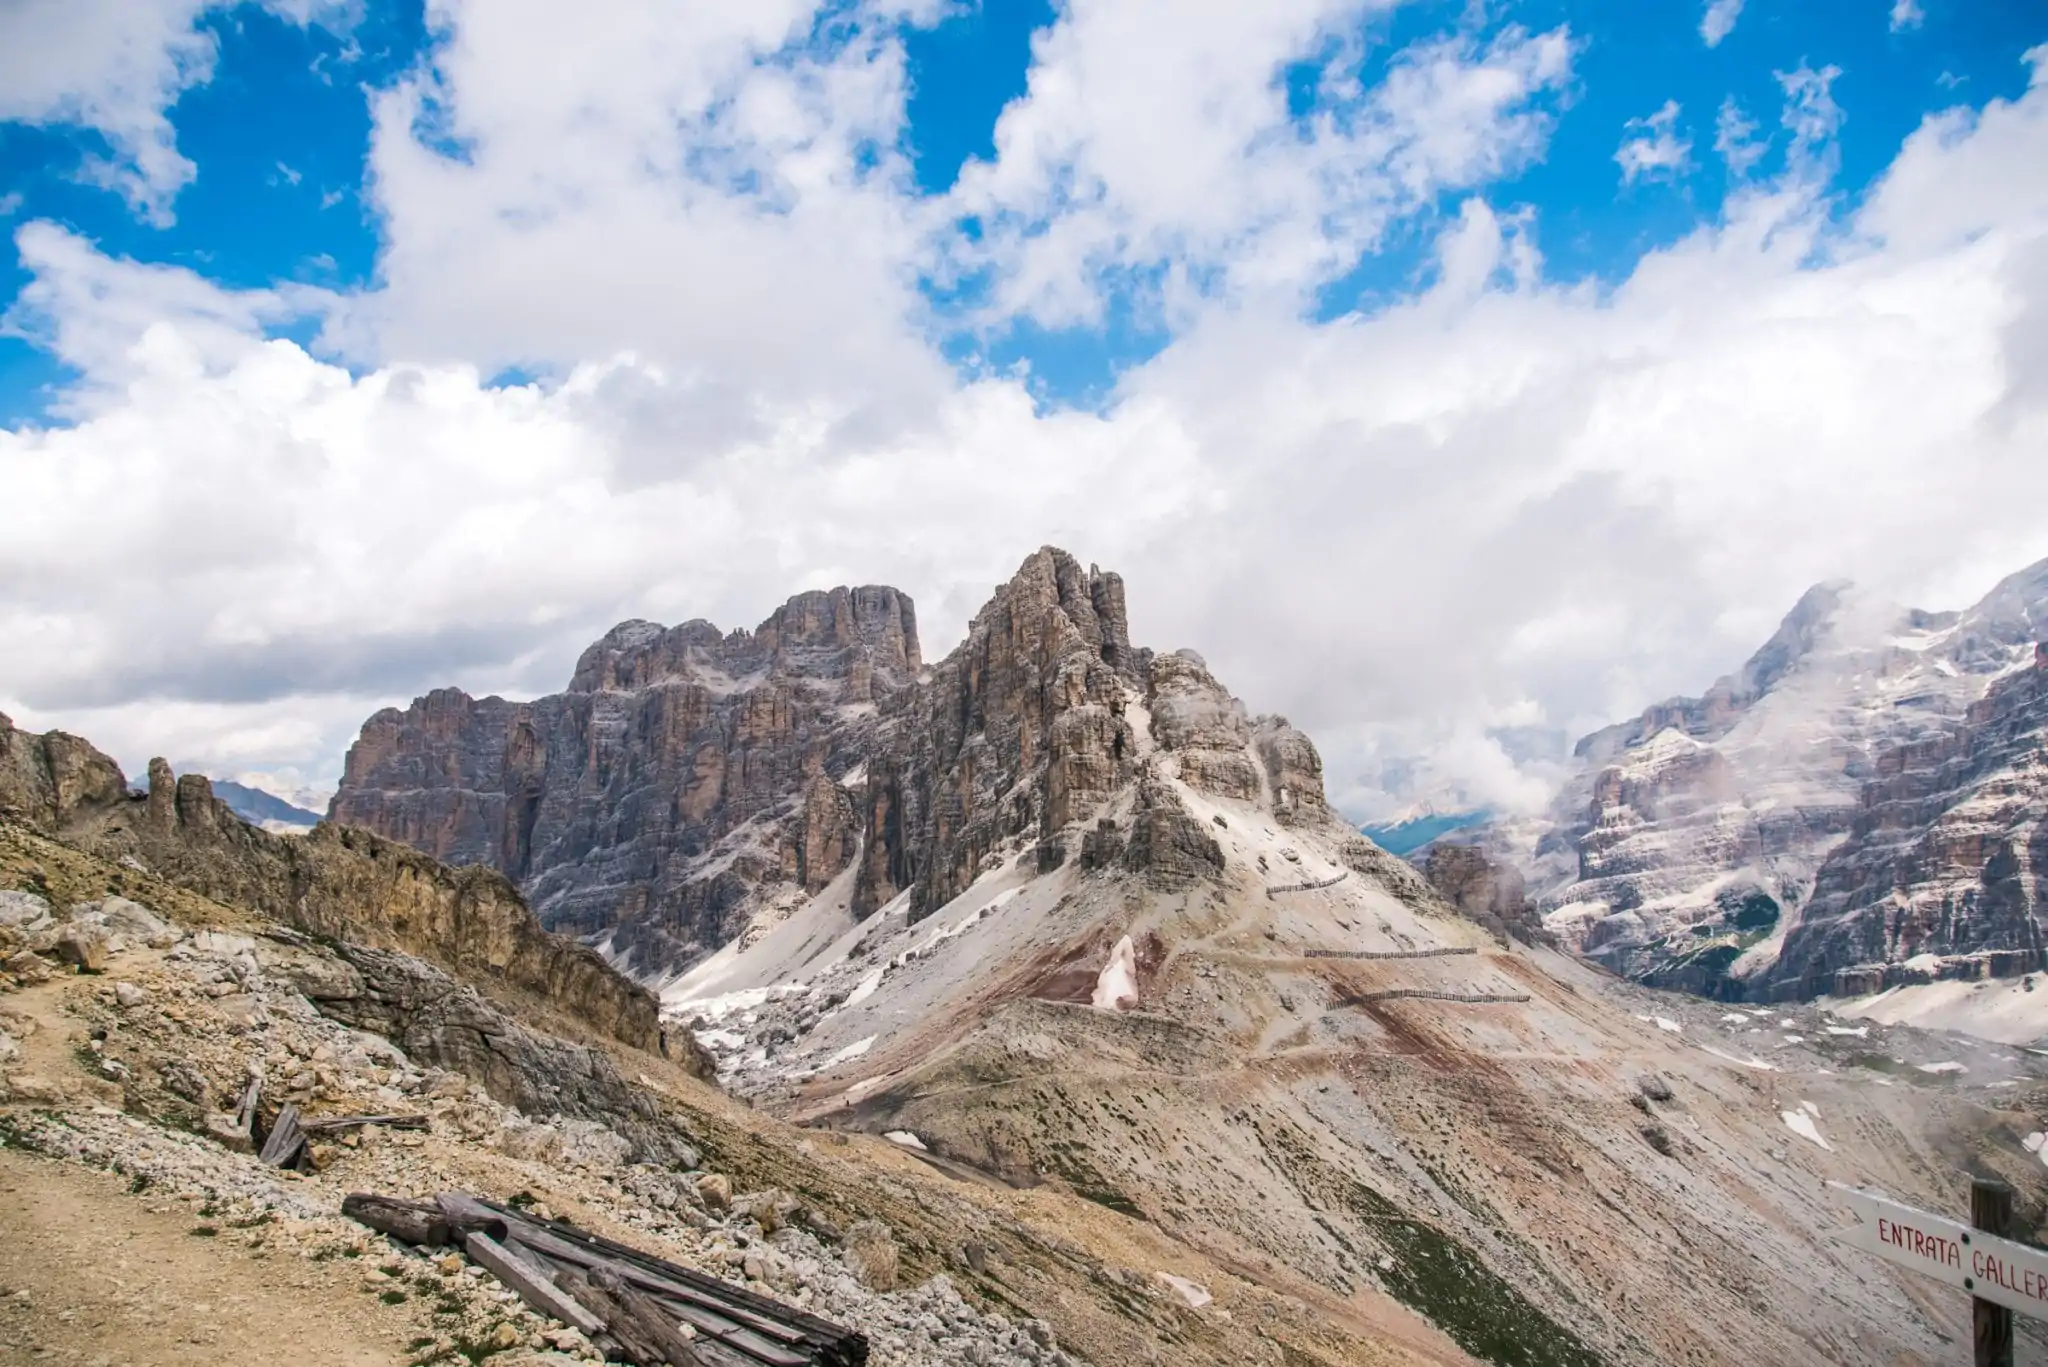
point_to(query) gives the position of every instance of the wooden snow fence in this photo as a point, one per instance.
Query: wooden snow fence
(1311, 885)
(635, 1307)
(1451, 951)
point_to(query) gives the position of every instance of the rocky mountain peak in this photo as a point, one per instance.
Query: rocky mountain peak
(863, 638)
(693, 787)
(1711, 715)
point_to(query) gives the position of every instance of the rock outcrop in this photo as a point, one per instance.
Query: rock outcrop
(692, 787)
(1019, 731)
(1491, 894)
(336, 882)
(48, 780)
(1945, 869)
(685, 776)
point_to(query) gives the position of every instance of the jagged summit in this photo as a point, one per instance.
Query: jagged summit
(1704, 841)
(694, 786)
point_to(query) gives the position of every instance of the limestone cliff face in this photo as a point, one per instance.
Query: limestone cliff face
(1701, 843)
(1021, 729)
(1490, 894)
(348, 885)
(48, 780)
(1947, 856)
(686, 775)
(691, 785)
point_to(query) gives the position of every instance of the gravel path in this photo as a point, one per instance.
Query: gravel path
(92, 1274)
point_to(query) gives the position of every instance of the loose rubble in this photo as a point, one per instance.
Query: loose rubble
(174, 1024)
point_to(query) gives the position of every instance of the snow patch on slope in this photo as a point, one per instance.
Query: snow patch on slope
(1118, 981)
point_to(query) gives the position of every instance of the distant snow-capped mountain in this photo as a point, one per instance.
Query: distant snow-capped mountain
(1686, 849)
(259, 808)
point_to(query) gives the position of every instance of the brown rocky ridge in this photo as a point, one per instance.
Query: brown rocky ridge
(336, 882)
(692, 787)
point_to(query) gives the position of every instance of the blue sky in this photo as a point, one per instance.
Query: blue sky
(279, 135)
(1457, 377)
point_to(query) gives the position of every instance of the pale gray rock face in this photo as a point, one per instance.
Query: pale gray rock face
(693, 786)
(1946, 858)
(1689, 844)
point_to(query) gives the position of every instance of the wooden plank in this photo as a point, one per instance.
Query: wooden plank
(245, 1112)
(638, 1344)
(774, 1314)
(466, 1215)
(349, 1122)
(1991, 1211)
(650, 1322)
(286, 1141)
(412, 1221)
(534, 1286)
(735, 1316)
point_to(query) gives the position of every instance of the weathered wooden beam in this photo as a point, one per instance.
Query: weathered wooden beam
(245, 1111)
(649, 1320)
(841, 1343)
(412, 1221)
(709, 1302)
(637, 1346)
(349, 1122)
(286, 1141)
(466, 1215)
(534, 1285)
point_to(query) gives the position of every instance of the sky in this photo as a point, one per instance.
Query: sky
(1456, 378)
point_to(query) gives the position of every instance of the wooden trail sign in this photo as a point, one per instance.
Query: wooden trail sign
(2000, 1274)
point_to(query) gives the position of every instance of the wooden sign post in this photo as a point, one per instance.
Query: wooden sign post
(2000, 1275)
(1991, 1211)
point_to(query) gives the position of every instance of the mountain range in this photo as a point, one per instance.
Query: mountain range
(1057, 910)
(1051, 960)
(1859, 808)
(259, 808)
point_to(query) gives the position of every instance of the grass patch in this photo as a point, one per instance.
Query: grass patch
(1439, 1277)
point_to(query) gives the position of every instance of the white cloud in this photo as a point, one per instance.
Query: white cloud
(1907, 14)
(1186, 171)
(1811, 115)
(1735, 139)
(1719, 20)
(116, 67)
(1497, 509)
(1654, 149)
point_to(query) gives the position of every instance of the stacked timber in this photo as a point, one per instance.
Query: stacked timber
(634, 1306)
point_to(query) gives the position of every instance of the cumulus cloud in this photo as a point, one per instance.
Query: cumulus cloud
(1907, 14)
(115, 67)
(1187, 174)
(1496, 513)
(1653, 147)
(1719, 20)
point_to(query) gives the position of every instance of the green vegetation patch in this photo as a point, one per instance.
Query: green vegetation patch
(1439, 1278)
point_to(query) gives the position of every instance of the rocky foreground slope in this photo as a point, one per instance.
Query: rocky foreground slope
(1864, 797)
(133, 1006)
(1106, 1015)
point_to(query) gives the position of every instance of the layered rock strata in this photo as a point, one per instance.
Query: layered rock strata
(1685, 850)
(1945, 869)
(339, 883)
(692, 787)
(684, 772)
